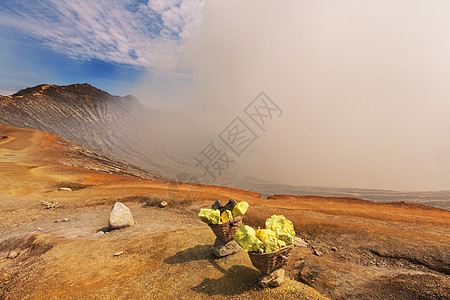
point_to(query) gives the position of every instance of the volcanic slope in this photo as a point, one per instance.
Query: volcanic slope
(118, 126)
(356, 249)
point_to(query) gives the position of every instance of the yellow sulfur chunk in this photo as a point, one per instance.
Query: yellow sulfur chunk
(268, 237)
(264, 234)
(209, 216)
(225, 216)
(281, 243)
(283, 228)
(240, 209)
(246, 237)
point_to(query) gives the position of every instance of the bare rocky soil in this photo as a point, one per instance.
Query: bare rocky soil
(356, 249)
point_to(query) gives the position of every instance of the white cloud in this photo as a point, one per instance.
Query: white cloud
(150, 35)
(162, 5)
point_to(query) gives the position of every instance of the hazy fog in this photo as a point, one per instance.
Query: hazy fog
(364, 87)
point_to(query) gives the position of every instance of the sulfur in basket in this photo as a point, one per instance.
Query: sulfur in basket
(225, 231)
(269, 262)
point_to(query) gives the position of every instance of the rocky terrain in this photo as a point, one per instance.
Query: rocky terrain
(356, 249)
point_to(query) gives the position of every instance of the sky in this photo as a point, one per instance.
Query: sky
(112, 44)
(363, 85)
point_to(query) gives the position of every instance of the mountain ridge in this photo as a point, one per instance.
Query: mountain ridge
(118, 126)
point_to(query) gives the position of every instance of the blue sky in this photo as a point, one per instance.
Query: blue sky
(110, 44)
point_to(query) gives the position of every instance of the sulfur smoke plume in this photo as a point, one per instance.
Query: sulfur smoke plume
(363, 86)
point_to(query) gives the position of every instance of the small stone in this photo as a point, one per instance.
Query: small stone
(221, 249)
(50, 205)
(100, 232)
(65, 189)
(62, 220)
(299, 242)
(163, 204)
(13, 254)
(274, 279)
(333, 249)
(120, 216)
(299, 263)
(118, 253)
(39, 229)
(317, 252)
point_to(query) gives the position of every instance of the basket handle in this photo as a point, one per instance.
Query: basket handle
(233, 222)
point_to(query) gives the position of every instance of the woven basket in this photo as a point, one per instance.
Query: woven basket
(226, 231)
(269, 262)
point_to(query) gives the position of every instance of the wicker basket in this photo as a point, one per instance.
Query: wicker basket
(226, 231)
(269, 262)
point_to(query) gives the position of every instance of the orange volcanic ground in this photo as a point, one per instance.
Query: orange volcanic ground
(356, 248)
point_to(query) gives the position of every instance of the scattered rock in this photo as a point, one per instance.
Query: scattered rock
(13, 254)
(221, 249)
(50, 205)
(62, 220)
(298, 242)
(39, 229)
(299, 264)
(163, 204)
(100, 232)
(317, 252)
(118, 253)
(65, 189)
(120, 216)
(4, 137)
(274, 279)
(333, 249)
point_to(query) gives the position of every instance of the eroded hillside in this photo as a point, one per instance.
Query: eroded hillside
(118, 126)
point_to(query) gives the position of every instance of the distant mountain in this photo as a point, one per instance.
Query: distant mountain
(160, 142)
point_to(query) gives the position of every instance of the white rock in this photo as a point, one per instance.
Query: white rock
(120, 216)
(118, 253)
(298, 242)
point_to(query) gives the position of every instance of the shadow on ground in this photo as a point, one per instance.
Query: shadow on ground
(199, 252)
(236, 280)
